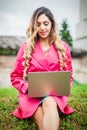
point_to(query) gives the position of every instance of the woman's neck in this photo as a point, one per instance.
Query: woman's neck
(45, 44)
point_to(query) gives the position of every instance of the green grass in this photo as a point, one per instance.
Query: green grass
(75, 121)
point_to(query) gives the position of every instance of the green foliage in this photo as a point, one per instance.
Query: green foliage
(8, 51)
(75, 121)
(65, 33)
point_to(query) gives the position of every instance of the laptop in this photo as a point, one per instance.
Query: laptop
(54, 83)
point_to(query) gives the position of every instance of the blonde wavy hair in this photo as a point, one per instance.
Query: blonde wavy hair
(32, 37)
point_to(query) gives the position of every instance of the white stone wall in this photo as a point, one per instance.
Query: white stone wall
(80, 69)
(7, 63)
(81, 29)
(6, 66)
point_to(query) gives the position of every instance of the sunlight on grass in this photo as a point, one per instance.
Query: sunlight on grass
(75, 121)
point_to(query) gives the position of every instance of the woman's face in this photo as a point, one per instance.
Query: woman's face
(44, 26)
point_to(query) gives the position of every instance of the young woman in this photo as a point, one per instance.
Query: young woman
(43, 51)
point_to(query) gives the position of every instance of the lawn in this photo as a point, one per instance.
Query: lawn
(75, 121)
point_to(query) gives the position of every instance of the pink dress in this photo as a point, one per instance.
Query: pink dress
(39, 62)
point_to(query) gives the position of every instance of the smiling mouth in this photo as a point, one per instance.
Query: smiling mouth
(42, 33)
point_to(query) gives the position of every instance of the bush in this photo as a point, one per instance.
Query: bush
(8, 51)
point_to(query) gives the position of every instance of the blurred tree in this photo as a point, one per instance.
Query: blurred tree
(65, 33)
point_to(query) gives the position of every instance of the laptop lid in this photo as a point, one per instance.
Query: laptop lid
(48, 83)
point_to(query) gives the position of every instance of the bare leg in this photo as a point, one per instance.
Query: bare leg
(38, 116)
(51, 116)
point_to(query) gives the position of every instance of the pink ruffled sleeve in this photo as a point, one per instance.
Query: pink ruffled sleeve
(16, 75)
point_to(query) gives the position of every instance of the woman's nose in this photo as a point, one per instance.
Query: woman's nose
(42, 27)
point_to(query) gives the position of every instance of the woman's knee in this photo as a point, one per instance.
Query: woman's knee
(49, 103)
(38, 114)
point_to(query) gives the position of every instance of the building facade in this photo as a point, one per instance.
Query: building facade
(80, 45)
(81, 28)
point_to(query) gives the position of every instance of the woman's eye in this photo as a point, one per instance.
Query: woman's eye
(46, 24)
(38, 24)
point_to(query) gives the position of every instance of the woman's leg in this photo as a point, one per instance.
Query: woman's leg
(50, 114)
(38, 117)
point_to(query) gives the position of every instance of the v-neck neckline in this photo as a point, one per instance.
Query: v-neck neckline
(44, 51)
(44, 60)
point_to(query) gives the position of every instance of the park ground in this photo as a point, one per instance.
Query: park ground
(75, 121)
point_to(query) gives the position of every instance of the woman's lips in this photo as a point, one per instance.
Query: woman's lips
(42, 33)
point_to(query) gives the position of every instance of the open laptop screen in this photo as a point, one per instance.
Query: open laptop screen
(46, 83)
